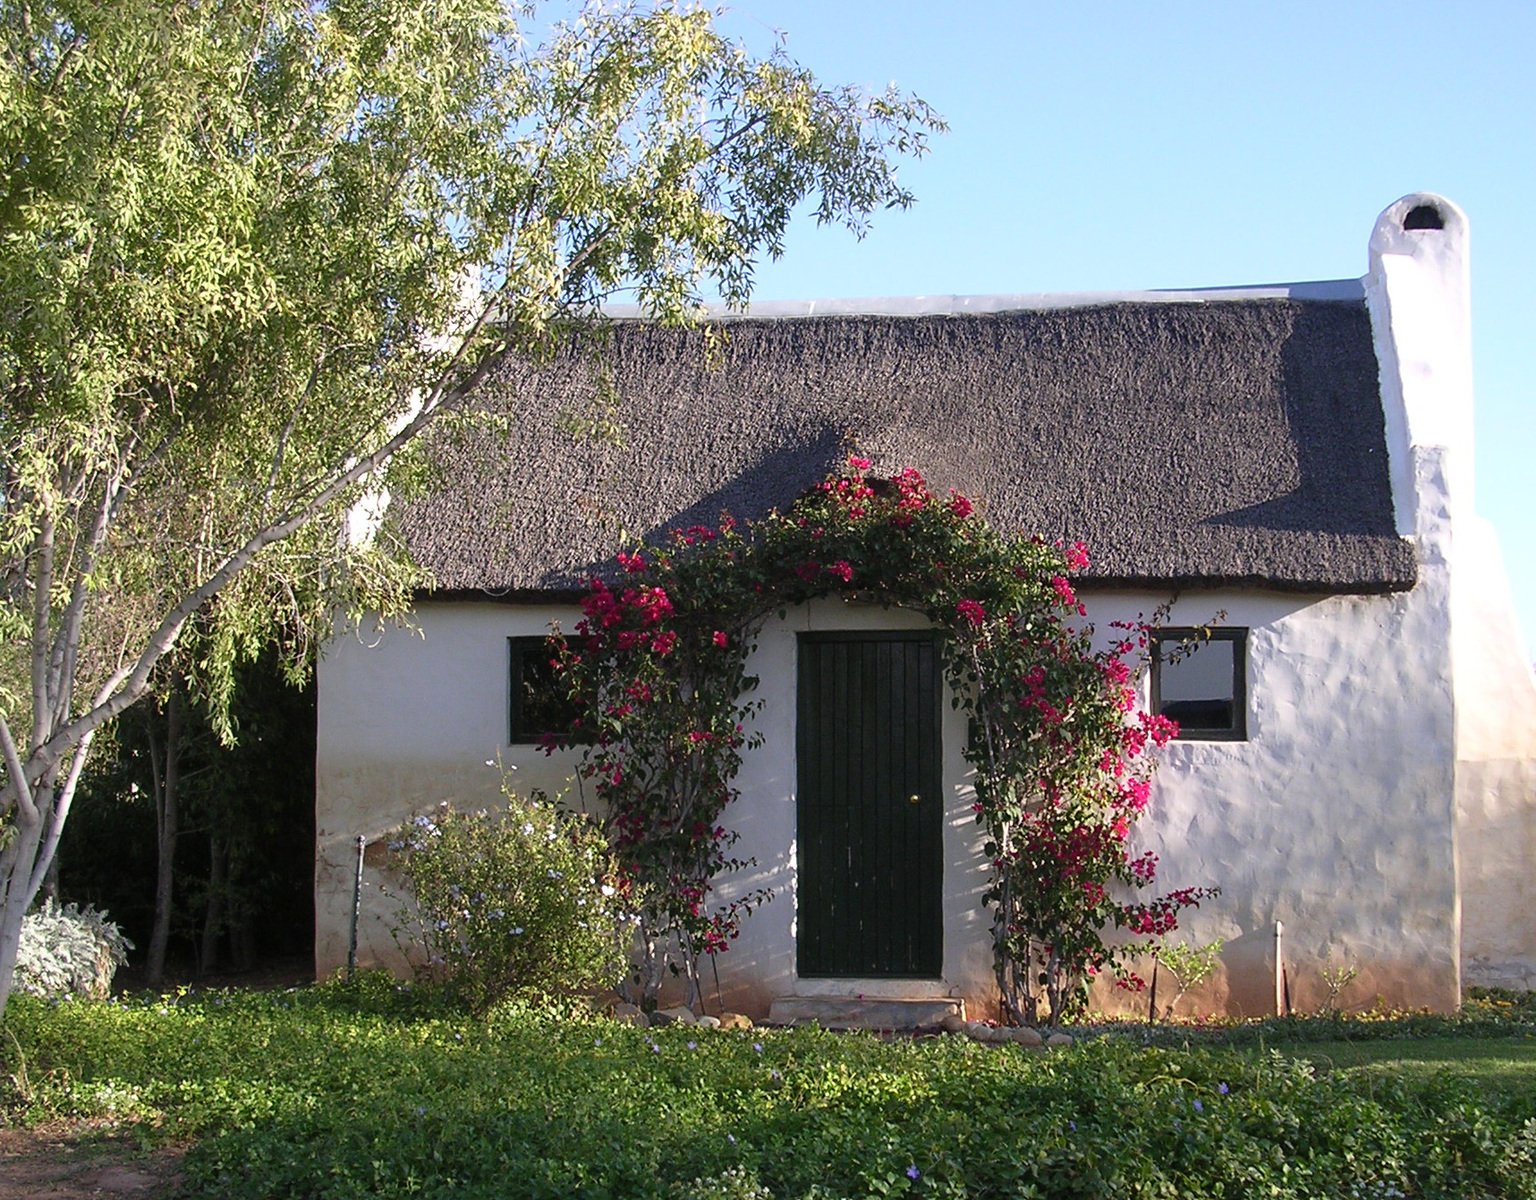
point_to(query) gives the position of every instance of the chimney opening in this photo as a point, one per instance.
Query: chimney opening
(1424, 216)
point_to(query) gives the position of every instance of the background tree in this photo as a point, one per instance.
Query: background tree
(229, 877)
(249, 252)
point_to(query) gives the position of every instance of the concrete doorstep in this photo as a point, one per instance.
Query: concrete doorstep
(862, 1012)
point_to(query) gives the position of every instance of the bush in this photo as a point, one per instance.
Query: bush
(69, 951)
(520, 902)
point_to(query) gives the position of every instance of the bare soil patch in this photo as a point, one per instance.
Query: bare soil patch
(85, 1160)
(101, 1160)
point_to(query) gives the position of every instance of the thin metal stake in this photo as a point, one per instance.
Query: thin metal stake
(357, 905)
(1280, 982)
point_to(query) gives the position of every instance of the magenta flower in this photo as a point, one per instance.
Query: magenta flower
(972, 611)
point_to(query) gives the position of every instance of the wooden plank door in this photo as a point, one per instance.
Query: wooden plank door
(869, 806)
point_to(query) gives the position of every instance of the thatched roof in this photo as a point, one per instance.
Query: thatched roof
(1228, 442)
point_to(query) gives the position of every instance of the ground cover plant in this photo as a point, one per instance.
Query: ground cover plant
(363, 1091)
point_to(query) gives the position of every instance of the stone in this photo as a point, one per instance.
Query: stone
(1059, 1039)
(977, 1031)
(708, 1022)
(952, 1023)
(1026, 1036)
(734, 1020)
(679, 1015)
(629, 1014)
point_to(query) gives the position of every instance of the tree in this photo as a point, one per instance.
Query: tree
(249, 252)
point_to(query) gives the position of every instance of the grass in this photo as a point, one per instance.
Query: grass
(338, 1092)
(1499, 1065)
(1490, 1045)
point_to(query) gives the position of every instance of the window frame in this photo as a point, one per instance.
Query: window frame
(1238, 638)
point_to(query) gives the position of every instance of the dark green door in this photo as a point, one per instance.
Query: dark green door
(869, 806)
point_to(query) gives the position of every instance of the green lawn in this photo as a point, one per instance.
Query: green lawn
(1503, 1065)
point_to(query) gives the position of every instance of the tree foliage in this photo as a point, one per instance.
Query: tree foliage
(248, 252)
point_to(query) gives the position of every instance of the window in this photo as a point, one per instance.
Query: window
(536, 707)
(1200, 680)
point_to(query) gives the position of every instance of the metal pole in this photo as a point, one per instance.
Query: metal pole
(1279, 969)
(357, 905)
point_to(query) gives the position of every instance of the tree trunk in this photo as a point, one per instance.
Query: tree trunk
(24, 848)
(213, 917)
(167, 786)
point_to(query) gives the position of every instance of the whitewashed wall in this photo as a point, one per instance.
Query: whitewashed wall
(1418, 288)
(408, 718)
(1335, 816)
(1495, 771)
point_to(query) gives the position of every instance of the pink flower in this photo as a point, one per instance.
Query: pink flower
(808, 571)
(959, 505)
(632, 563)
(842, 570)
(1064, 592)
(721, 640)
(1077, 556)
(1136, 794)
(858, 463)
(972, 611)
(663, 642)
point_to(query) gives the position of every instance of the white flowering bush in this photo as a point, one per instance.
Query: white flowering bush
(69, 951)
(521, 901)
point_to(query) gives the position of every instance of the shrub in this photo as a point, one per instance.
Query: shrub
(69, 951)
(523, 901)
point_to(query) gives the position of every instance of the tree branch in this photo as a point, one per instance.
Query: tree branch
(42, 587)
(63, 797)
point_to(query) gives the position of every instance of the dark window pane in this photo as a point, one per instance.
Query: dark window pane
(1199, 680)
(538, 705)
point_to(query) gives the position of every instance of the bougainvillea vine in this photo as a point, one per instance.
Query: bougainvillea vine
(1061, 753)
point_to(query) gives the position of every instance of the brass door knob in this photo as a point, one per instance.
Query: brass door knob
(914, 798)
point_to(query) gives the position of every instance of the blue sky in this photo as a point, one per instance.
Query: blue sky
(1102, 146)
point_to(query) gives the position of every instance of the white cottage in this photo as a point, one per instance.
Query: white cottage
(1358, 765)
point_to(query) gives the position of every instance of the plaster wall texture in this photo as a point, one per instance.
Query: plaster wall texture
(1333, 817)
